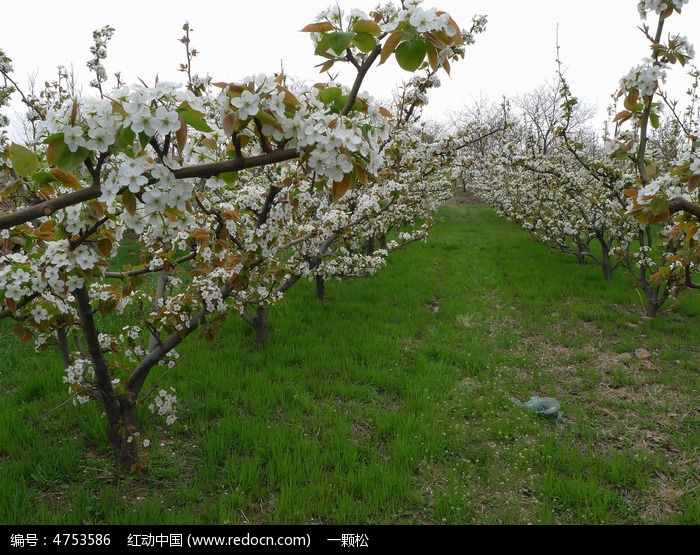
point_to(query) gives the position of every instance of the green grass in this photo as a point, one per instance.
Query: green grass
(390, 403)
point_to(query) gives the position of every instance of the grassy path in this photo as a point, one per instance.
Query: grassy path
(390, 403)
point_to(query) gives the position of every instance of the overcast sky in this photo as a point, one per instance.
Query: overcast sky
(599, 42)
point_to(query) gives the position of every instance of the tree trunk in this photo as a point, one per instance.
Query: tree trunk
(123, 436)
(120, 408)
(320, 288)
(606, 263)
(652, 308)
(259, 324)
(655, 296)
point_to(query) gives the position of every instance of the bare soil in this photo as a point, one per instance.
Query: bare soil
(464, 197)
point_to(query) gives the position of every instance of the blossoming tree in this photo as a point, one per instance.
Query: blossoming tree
(663, 194)
(233, 191)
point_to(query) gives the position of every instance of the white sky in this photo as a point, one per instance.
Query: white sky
(599, 42)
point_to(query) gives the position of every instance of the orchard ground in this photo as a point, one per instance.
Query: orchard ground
(390, 402)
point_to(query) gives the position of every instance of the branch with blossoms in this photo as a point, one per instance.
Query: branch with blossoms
(664, 194)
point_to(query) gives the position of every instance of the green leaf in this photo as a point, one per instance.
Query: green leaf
(43, 177)
(368, 26)
(659, 205)
(194, 120)
(411, 53)
(266, 118)
(229, 178)
(338, 42)
(24, 161)
(10, 188)
(66, 160)
(51, 138)
(364, 41)
(330, 94)
(654, 119)
(323, 45)
(125, 137)
(144, 139)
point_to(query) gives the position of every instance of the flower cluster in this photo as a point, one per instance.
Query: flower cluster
(660, 6)
(59, 269)
(644, 77)
(147, 110)
(300, 118)
(99, 53)
(425, 21)
(79, 375)
(165, 404)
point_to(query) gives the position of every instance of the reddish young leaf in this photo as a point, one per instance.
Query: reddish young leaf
(631, 99)
(181, 134)
(46, 229)
(390, 45)
(48, 190)
(320, 27)
(289, 98)
(433, 58)
(446, 67)
(66, 178)
(432, 39)
(170, 214)
(105, 247)
(129, 201)
(74, 112)
(210, 143)
(361, 174)
(341, 187)
(229, 124)
(326, 66)
(50, 153)
(22, 333)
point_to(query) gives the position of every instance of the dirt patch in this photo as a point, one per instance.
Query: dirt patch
(663, 500)
(465, 197)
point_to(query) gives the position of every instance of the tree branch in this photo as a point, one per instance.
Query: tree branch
(272, 192)
(154, 340)
(48, 207)
(138, 377)
(644, 121)
(99, 364)
(361, 73)
(203, 171)
(145, 270)
(215, 168)
(680, 204)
